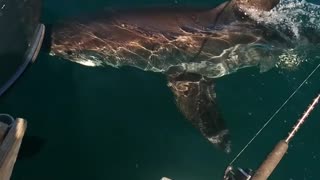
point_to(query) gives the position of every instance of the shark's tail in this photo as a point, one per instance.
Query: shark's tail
(195, 97)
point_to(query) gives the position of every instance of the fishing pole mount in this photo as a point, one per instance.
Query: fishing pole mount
(237, 174)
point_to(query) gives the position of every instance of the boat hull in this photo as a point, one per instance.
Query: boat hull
(21, 36)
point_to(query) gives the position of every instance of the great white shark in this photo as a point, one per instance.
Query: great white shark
(191, 47)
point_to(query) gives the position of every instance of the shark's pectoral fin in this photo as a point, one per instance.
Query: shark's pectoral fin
(195, 97)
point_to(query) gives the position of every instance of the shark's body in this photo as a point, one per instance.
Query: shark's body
(208, 42)
(190, 46)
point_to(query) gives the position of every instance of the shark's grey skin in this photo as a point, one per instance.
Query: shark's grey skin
(190, 46)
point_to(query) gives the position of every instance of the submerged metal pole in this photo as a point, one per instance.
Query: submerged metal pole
(273, 159)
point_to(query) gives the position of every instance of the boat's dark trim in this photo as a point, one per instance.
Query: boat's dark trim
(30, 56)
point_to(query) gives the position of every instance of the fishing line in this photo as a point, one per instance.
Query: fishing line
(274, 114)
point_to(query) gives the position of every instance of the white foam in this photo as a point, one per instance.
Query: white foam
(297, 17)
(289, 60)
(291, 15)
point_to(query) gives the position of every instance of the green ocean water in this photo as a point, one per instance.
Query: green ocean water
(104, 123)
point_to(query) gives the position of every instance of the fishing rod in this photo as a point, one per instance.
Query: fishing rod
(274, 157)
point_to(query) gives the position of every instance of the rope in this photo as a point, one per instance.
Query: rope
(276, 112)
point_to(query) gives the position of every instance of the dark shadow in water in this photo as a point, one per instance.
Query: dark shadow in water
(9, 62)
(46, 45)
(31, 146)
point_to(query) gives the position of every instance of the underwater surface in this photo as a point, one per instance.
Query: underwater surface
(107, 123)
